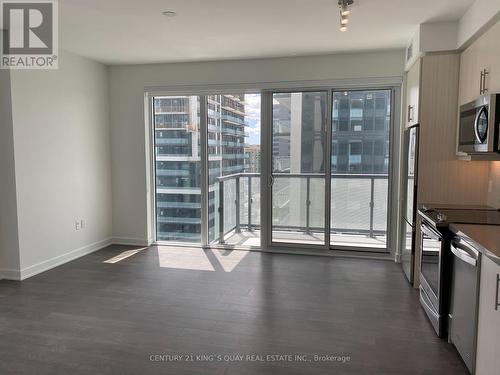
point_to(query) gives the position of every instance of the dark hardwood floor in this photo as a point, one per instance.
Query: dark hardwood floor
(93, 317)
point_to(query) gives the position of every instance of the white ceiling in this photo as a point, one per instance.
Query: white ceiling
(135, 31)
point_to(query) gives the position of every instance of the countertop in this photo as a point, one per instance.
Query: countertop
(486, 238)
(456, 206)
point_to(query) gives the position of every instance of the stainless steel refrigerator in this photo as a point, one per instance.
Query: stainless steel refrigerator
(409, 218)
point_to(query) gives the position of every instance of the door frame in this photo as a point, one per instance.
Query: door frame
(393, 210)
(266, 168)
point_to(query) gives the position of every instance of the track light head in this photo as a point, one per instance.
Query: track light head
(345, 11)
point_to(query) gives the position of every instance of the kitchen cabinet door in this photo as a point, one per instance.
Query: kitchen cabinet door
(470, 72)
(413, 94)
(489, 58)
(488, 335)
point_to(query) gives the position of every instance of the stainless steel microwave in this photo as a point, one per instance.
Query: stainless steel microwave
(478, 130)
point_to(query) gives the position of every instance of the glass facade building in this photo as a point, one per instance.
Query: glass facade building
(360, 134)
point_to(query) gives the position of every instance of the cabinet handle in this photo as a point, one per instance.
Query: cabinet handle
(485, 73)
(410, 113)
(497, 304)
(481, 83)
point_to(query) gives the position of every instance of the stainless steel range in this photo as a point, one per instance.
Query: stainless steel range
(436, 256)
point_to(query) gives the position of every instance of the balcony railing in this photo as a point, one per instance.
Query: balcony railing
(237, 193)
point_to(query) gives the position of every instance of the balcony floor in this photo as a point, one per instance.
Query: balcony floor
(252, 238)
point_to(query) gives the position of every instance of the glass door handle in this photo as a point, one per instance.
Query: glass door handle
(271, 181)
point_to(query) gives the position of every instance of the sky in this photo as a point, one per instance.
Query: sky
(252, 117)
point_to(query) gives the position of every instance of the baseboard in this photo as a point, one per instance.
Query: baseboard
(131, 241)
(61, 259)
(6, 274)
(10, 275)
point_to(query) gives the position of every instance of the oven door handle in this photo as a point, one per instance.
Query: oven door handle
(426, 301)
(464, 255)
(429, 232)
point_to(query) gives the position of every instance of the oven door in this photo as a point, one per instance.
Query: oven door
(430, 272)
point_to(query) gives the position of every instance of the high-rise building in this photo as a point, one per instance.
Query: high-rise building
(252, 161)
(360, 134)
(361, 123)
(178, 166)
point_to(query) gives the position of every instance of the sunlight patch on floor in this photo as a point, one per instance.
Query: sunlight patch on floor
(198, 259)
(184, 258)
(229, 259)
(124, 255)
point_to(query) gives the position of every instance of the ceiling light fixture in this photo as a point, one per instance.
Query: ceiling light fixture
(345, 11)
(169, 13)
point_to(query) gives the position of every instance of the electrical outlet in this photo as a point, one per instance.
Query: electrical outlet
(77, 225)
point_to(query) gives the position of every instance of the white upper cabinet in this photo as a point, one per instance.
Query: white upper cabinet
(469, 75)
(489, 53)
(480, 66)
(412, 93)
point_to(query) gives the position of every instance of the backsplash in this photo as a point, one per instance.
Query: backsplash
(494, 185)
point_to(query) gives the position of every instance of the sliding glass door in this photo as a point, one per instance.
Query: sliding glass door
(234, 169)
(299, 123)
(360, 169)
(329, 170)
(178, 168)
(326, 166)
(207, 168)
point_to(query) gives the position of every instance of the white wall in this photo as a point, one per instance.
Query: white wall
(127, 83)
(480, 16)
(494, 185)
(63, 160)
(9, 244)
(438, 36)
